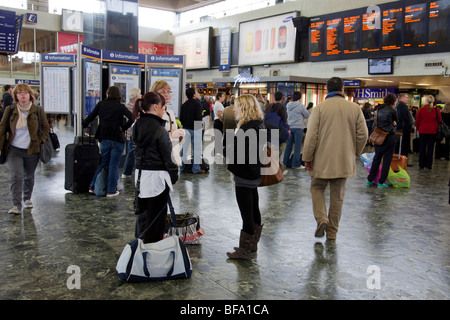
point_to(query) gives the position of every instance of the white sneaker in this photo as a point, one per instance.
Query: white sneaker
(109, 195)
(28, 204)
(14, 210)
(124, 176)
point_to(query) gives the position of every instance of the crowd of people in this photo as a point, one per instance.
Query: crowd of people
(324, 140)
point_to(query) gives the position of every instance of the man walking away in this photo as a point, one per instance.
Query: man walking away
(337, 133)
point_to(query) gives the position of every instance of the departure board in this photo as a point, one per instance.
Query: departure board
(439, 23)
(352, 34)
(334, 36)
(415, 25)
(371, 37)
(395, 28)
(392, 29)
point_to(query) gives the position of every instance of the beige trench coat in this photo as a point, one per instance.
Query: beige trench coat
(337, 133)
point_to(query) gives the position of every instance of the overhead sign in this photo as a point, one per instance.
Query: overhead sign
(31, 18)
(7, 31)
(72, 21)
(373, 93)
(58, 58)
(124, 57)
(225, 49)
(91, 53)
(165, 60)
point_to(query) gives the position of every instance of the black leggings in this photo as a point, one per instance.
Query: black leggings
(153, 206)
(248, 202)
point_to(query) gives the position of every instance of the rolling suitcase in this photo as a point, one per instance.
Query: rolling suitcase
(82, 160)
(397, 159)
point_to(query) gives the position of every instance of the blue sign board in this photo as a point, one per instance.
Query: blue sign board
(166, 73)
(373, 93)
(352, 83)
(92, 53)
(225, 49)
(31, 18)
(125, 57)
(58, 58)
(28, 82)
(7, 31)
(163, 59)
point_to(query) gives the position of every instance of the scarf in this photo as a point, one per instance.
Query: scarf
(334, 93)
(22, 121)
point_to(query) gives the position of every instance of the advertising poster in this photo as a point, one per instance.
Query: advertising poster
(92, 85)
(268, 40)
(56, 89)
(195, 46)
(173, 77)
(125, 78)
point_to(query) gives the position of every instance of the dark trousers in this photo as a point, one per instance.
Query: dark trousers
(406, 143)
(153, 206)
(426, 149)
(248, 202)
(385, 152)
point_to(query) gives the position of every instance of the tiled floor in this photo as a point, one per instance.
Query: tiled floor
(395, 238)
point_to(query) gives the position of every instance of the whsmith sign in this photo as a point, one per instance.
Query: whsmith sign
(373, 93)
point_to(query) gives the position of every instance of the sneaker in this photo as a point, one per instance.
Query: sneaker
(368, 183)
(299, 168)
(91, 190)
(109, 195)
(124, 176)
(28, 204)
(14, 210)
(382, 185)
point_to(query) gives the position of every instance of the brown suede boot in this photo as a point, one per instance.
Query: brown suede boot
(245, 247)
(256, 236)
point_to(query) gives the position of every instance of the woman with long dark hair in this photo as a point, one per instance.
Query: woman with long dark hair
(153, 150)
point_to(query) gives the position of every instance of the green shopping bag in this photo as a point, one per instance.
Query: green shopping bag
(399, 179)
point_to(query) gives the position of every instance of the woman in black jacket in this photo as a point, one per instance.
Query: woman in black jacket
(246, 167)
(153, 153)
(110, 133)
(385, 119)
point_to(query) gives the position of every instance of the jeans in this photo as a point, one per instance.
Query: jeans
(295, 140)
(130, 161)
(196, 142)
(21, 166)
(111, 154)
(385, 152)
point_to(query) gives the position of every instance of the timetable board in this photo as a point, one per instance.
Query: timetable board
(395, 28)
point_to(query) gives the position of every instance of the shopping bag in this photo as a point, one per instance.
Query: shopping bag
(399, 179)
(367, 159)
(186, 226)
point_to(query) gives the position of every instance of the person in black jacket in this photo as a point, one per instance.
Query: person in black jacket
(110, 133)
(404, 124)
(385, 119)
(246, 168)
(153, 152)
(191, 119)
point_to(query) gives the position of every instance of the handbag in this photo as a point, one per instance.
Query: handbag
(5, 149)
(186, 226)
(377, 136)
(443, 130)
(46, 147)
(166, 259)
(54, 138)
(270, 172)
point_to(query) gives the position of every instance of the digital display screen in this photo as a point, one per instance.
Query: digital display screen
(439, 23)
(395, 28)
(380, 65)
(415, 26)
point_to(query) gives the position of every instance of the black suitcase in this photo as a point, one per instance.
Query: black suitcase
(82, 160)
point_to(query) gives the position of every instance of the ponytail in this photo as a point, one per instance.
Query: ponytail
(137, 109)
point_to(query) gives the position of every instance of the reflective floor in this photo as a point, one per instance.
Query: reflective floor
(392, 243)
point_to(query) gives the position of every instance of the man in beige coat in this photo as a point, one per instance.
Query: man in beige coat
(337, 133)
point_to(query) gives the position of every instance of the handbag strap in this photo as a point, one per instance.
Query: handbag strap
(172, 212)
(437, 116)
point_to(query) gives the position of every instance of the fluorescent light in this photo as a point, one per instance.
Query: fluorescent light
(364, 79)
(423, 84)
(388, 81)
(406, 83)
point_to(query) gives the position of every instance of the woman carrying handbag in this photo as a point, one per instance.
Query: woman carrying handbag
(155, 169)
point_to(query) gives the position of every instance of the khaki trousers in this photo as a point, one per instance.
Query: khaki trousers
(337, 192)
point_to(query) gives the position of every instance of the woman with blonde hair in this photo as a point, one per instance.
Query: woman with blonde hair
(246, 168)
(19, 131)
(427, 123)
(176, 135)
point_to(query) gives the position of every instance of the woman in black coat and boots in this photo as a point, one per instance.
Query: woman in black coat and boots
(246, 167)
(153, 153)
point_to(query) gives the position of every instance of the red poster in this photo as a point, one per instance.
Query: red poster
(67, 42)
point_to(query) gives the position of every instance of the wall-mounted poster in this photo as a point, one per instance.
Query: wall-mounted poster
(195, 46)
(268, 40)
(92, 85)
(125, 78)
(173, 77)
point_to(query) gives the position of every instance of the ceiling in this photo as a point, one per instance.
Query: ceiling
(412, 82)
(176, 5)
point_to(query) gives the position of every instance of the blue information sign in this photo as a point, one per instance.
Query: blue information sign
(7, 31)
(125, 57)
(225, 49)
